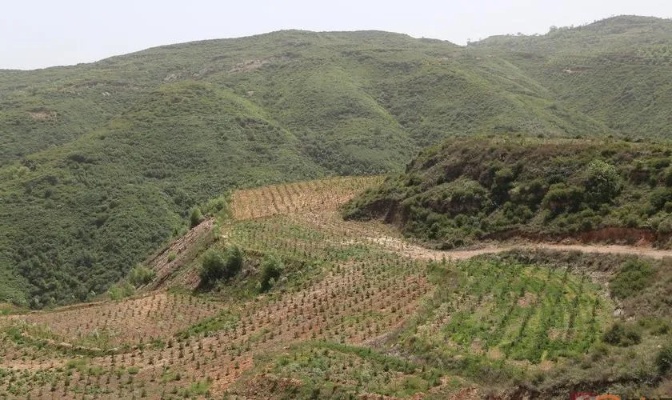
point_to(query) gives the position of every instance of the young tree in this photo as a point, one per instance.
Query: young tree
(601, 182)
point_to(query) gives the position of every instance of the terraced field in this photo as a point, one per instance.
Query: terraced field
(357, 311)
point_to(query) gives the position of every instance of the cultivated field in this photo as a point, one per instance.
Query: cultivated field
(353, 299)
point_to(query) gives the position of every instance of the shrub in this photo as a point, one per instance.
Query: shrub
(271, 269)
(141, 275)
(622, 335)
(501, 185)
(659, 197)
(120, 291)
(634, 276)
(217, 265)
(601, 182)
(196, 217)
(664, 359)
(562, 198)
(214, 206)
(666, 176)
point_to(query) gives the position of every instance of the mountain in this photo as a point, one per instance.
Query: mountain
(616, 71)
(102, 163)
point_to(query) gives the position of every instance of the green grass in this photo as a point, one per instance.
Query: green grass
(330, 370)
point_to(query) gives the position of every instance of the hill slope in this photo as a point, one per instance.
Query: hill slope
(101, 163)
(478, 188)
(324, 308)
(616, 70)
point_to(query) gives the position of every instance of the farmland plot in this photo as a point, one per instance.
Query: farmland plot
(357, 309)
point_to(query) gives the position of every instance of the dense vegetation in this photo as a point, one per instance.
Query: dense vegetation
(616, 71)
(479, 188)
(101, 163)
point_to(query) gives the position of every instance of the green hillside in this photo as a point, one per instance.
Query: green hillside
(616, 70)
(478, 188)
(101, 163)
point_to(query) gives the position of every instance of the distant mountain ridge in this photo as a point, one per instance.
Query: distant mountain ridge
(100, 163)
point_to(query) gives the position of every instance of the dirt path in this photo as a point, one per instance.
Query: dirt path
(422, 253)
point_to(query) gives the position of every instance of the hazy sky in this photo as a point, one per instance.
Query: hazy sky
(41, 33)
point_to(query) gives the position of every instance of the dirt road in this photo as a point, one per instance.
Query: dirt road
(419, 252)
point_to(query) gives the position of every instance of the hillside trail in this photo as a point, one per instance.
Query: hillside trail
(423, 253)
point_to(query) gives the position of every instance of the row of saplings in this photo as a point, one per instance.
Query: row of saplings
(220, 266)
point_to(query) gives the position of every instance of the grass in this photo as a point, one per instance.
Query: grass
(506, 311)
(330, 370)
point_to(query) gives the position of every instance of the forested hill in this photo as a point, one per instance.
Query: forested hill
(101, 163)
(616, 70)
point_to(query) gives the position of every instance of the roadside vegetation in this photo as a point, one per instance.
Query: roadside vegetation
(472, 189)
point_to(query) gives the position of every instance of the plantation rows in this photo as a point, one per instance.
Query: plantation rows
(157, 316)
(310, 196)
(352, 304)
(343, 284)
(514, 312)
(337, 371)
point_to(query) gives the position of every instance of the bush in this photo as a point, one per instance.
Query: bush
(141, 275)
(659, 197)
(664, 360)
(120, 291)
(562, 198)
(196, 217)
(217, 265)
(214, 206)
(271, 269)
(622, 335)
(602, 183)
(633, 277)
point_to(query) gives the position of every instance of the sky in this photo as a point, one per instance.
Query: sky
(42, 33)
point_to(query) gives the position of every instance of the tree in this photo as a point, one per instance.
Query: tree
(601, 182)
